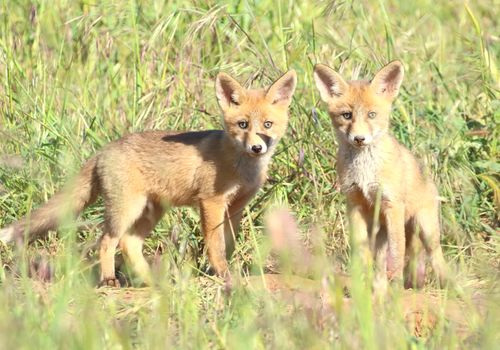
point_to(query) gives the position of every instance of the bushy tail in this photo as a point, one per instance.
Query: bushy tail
(75, 197)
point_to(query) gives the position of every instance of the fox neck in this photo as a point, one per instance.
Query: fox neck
(248, 168)
(361, 165)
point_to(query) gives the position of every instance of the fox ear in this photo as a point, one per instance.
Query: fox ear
(229, 91)
(329, 83)
(388, 80)
(282, 90)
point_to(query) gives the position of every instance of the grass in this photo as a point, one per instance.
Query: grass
(75, 75)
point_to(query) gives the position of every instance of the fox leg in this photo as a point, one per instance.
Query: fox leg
(380, 255)
(212, 221)
(428, 222)
(231, 227)
(414, 270)
(394, 217)
(232, 221)
(132, 242)
(107, 251)
(119, 218)
(359, 227)
(131, 247)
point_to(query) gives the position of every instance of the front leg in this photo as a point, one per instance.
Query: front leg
(380, 256)
(232, 221)
(231, 228)
(394, 216)
(359, 228)
(212, 221)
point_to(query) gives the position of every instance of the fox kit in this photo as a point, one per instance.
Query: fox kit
(373, 167)
(218, 171)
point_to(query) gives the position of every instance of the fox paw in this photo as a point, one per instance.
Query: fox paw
(110, 282)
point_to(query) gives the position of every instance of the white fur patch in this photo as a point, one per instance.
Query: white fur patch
(7, 235)
(232, 192)
(361, 169)
(235, 97)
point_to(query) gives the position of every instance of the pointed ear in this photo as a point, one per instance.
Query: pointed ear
(282, 90)
(388, 80)
(329, 83)
(229, 91)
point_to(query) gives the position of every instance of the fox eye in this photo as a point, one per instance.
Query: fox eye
(346, 115)
(243, 124)
(372, 115)
(268, 124)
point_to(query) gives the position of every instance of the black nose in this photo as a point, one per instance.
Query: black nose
(256, 148)
(359, 139)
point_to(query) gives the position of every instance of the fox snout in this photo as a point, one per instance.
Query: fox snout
(258, 145)
(256, 149)
(360, 140)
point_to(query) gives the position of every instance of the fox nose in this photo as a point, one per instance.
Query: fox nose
(256, 148)
(359, 139)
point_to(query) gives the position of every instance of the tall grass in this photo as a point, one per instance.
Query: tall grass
(76, 75)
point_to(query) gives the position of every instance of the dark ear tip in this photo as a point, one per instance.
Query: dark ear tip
(319, 66)
(397, 63)
(222, 76)
(290, 74)
(322, 68)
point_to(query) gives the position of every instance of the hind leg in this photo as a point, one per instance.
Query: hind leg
(428, 222)
(132, 242)
(119, 218)
(131, 246)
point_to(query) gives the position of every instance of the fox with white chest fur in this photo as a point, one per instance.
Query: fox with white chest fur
(372, 165)
(218, 171)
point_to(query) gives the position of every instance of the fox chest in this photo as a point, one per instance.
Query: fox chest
(232, 192)
(359, 172)
(230, 187)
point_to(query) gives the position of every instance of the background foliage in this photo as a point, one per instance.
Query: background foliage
(76, 75)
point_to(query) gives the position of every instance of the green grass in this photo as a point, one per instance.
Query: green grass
(75, 75)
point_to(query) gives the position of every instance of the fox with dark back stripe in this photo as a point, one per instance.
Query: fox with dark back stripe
(218, 171)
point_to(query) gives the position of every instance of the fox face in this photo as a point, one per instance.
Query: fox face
(360, 109)
(255, 119)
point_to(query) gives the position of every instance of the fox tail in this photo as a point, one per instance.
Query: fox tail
(76, 196)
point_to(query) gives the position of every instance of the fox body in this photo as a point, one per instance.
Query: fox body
(218, 171)
(374, 168)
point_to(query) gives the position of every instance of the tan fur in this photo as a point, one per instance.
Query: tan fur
(141, 174)
(372, 164)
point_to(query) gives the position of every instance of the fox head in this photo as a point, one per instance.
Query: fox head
(255, 119)
(360, 109)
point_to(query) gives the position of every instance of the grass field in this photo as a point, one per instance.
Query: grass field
(76, 75)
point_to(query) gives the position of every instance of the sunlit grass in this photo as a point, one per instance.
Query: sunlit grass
(75, 75)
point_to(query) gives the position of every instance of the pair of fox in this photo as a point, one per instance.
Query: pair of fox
(392, 208)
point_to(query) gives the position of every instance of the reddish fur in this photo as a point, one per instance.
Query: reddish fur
(380, 165)
(140, 174)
